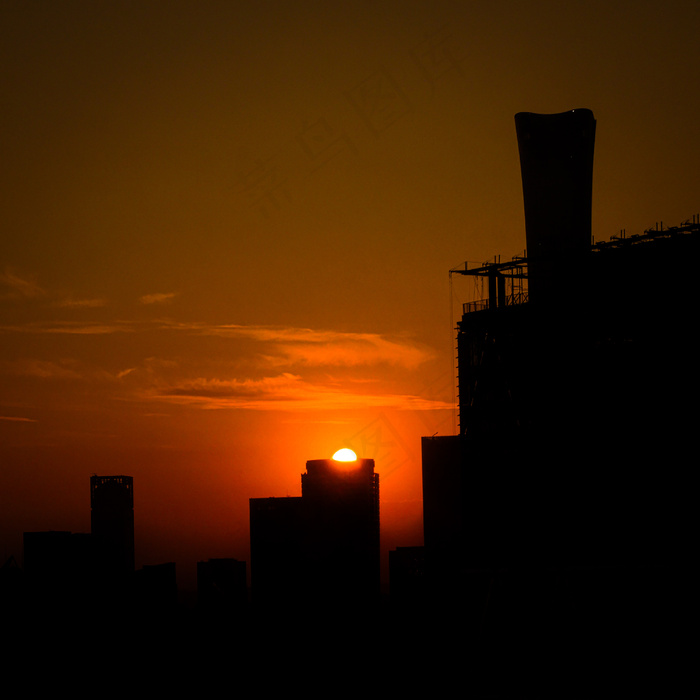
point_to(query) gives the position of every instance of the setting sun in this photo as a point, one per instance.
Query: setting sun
(345, 455)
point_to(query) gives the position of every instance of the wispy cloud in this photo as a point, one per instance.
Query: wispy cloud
(18, 419)
(284, 392)
(278, 346)
(304, 346)
(26, 287)
(70, 303)
(18, 286)
(159, 298)
(72, 369)
(46, 369)
(69, 327)
(265, 367)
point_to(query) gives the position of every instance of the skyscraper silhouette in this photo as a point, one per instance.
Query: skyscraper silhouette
(342, 502)
(320, 550)
(112, 522)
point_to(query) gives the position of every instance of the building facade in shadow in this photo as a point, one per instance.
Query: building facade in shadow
(562, 503)
(319, 551)
(222, 587)
(112, 522)
(69, 577)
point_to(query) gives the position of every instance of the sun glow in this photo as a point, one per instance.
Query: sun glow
(345, 455)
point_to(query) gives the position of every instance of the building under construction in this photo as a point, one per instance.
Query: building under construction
(567, 487)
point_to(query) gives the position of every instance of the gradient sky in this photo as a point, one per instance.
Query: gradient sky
(227, 229)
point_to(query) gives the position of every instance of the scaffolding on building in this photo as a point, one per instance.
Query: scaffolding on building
(505, 283)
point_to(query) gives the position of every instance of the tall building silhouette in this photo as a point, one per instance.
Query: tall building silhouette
(573, 376)
(321, 548)
(112, 522)
(342, 503)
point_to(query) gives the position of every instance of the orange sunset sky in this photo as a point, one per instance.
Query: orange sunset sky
(227, 229)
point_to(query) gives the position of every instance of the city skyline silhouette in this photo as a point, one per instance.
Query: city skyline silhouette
(527, 552)
(234, 241)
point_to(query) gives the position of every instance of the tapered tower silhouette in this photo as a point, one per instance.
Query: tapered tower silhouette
(556, 165)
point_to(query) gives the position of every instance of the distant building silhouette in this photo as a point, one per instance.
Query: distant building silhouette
(566, 484)
(59, 569)
(154, 590)
(407, 576)
(66, 573)
(75, 578)
(278, 552)
(321, 548)
(12, 591)
(112, 522)
(222, 587)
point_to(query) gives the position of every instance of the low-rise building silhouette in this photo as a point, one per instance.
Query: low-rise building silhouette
(222, 587)
(154, 590)
(407, 577)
